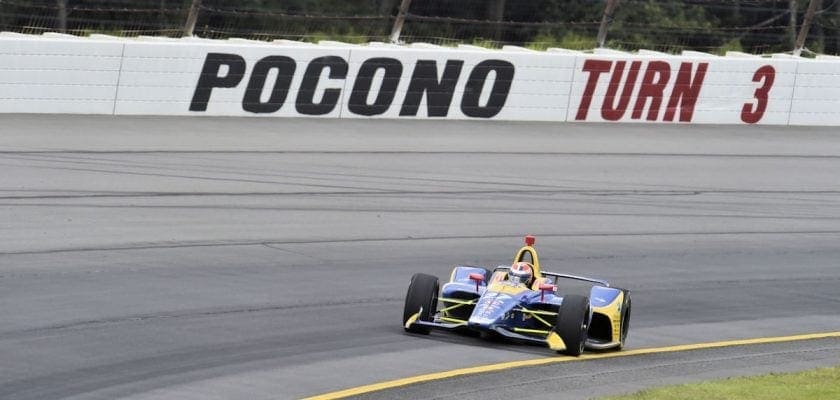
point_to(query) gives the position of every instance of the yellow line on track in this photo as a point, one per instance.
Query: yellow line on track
(554, 360)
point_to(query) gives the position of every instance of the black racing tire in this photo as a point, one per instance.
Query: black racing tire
(422, 293)
(625, 320)
(573, 323)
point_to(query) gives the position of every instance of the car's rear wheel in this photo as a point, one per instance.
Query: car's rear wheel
(421, 297)
(625, 320)
(573, 323)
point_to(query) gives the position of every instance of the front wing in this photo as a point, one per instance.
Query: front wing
(606, 315)
(546, 337)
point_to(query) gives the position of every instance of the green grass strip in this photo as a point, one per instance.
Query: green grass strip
(817, 384)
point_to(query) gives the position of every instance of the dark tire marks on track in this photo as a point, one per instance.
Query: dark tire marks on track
(158, 258)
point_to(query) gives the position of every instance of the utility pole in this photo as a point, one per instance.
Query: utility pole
(62, 16)
(192, 17)
(398, 23)
(803, 30)
(605, 21)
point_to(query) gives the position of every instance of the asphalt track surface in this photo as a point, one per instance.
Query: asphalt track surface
(201, 258)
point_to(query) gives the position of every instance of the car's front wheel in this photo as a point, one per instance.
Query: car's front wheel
(421, 297)
(573, 323)
(625, 320)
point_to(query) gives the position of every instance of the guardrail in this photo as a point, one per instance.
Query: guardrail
(55, 73)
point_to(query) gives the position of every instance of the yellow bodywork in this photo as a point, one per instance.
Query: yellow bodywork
(555, 342)
(613, 312)
(412, 319)
(536, 314)
(455, 303)
(506, 288)
(535, 260)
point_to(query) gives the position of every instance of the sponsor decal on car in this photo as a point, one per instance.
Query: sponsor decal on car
(488, 306)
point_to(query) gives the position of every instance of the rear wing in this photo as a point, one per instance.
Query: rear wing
(555, 277)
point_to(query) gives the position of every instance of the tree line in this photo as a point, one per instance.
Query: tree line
(759, 26)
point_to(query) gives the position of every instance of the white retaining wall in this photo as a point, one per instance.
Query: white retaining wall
(153, 76)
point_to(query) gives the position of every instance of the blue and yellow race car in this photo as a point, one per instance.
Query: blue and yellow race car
(521, 302)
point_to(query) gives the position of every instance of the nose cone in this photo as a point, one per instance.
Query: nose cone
(490, 309)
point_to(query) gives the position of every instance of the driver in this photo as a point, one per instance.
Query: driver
(520, 273)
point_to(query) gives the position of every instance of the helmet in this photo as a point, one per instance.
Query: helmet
(521, 272)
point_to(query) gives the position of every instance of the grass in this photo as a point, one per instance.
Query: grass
(570, 40)
(817, 384)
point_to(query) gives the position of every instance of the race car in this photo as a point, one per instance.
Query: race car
(521, 302)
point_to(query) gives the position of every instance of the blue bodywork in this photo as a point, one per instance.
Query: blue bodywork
(497, 308)
(494, 305)
(601, 296)
(476, 299)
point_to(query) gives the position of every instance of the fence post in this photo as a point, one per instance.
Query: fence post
(385, 6)
(803, 30)
(192, 17)
(162, 15)
(605, 21)
(62, 16)
(792, 22)
(496, 13)
(398, 23)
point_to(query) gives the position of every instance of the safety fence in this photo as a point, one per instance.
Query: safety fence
(755, 26)
(57, 73)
